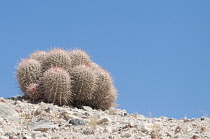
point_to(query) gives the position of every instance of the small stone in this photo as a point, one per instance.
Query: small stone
(125, 114)
(104, 119)
(168, 134)
(178, 129)
(38, 111)
(68, 116)
(87, 108)
(195, 136)
(76, 122)
(55, 137)
(170, 119)
(126, 135)
(131, 124)
(88, 132)
(48, 109)
(202, 118)
(27, 137)
(87, 114)
(185, 119)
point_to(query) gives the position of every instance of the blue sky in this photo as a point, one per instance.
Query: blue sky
(158, 52)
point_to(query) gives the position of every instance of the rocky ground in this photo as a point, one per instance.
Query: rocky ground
(20, 119)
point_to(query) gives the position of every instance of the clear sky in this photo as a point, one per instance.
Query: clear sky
(158, 52)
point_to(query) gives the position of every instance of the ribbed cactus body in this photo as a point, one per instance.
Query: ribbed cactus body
(83, 81)
(39, 55)
(79, 57)
(104, 94)
(104, 102)
(57, 58)
(28, 71)
(56, 86)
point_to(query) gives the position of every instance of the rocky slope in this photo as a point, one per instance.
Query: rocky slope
(20, 119)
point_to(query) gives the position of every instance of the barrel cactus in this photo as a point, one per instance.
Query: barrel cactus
(66, 78)
(28, 71)
(79, 57)
(57, 58)
(83, 82)
(56, 86)
(104, 93)
(39, 55)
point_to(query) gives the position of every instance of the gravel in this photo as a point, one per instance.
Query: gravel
(21, 119)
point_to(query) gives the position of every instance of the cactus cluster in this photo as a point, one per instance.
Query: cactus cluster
(66, 78)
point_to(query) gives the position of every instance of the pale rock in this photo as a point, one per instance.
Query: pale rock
(38, 111)
(131, 124)
(87, 108)
(68, 116)
(7, 112)
(42, 125)
(55, 137)
(4, 137)
(145, 127)
(75, 110)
